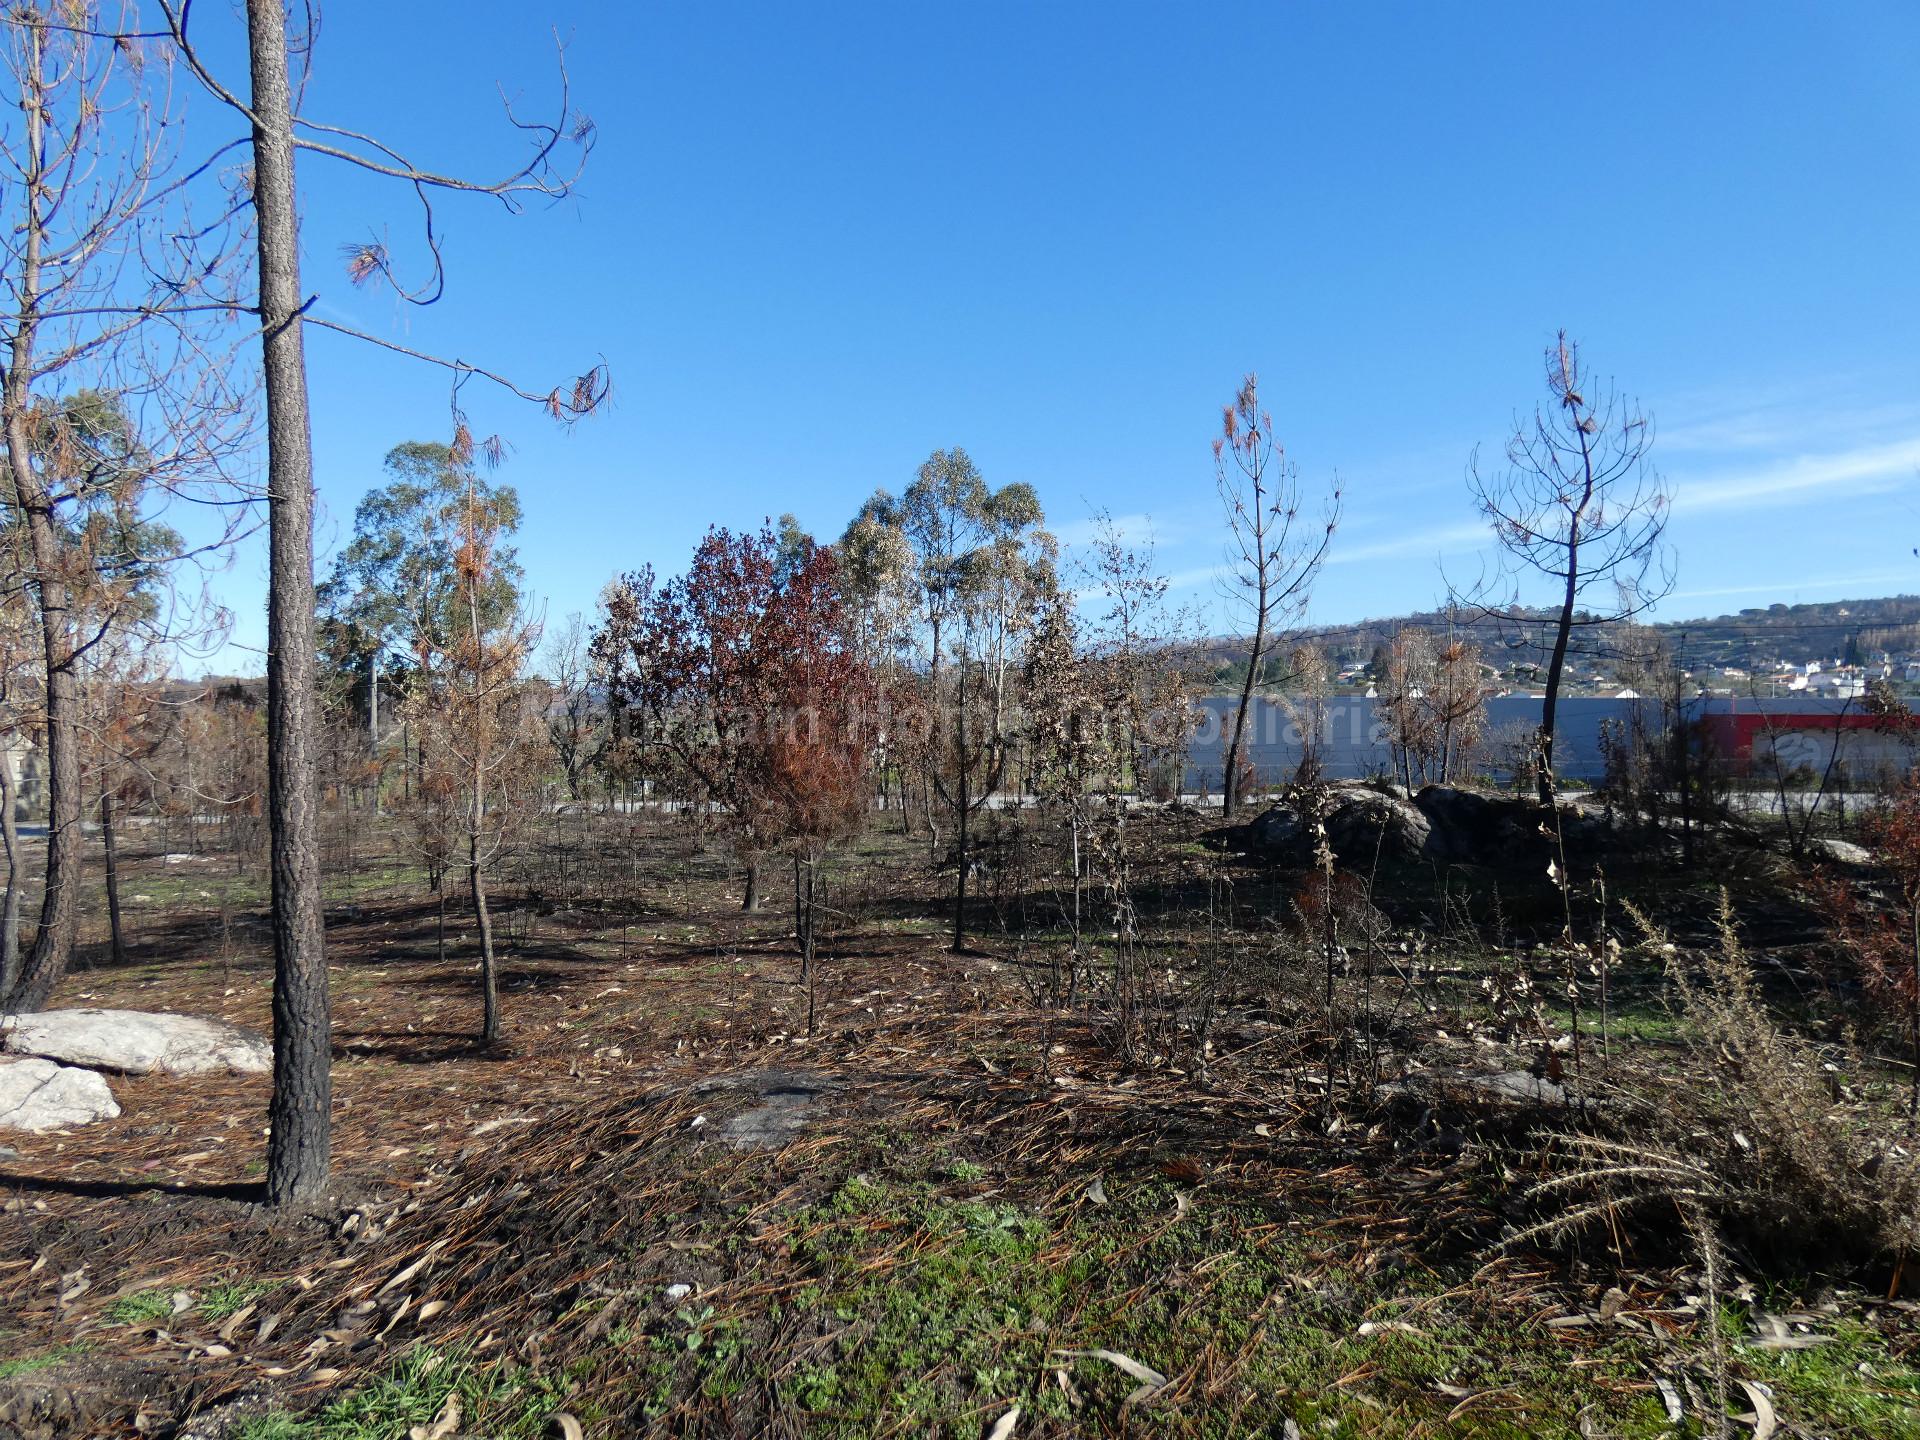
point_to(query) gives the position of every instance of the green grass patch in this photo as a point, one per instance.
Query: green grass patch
(1848, 1386)
(142, 1307)
(18, 1365)
(951, 1310)
(495, 1400)
(218, 1302)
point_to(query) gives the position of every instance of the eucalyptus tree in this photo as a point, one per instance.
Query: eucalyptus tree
(978, 555)
(876, 565)
(96, 476)
(394, 575)
(575, 720)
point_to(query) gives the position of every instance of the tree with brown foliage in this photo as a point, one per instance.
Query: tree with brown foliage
(1145, 650)
(470, 649)
(820, 758)
(740, 677)
(1433, 697)
(1078, 750)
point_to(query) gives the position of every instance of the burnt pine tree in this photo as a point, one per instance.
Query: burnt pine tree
(1579, 504)
(299, 1148)
(1274, 552)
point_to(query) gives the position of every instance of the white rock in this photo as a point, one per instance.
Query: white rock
(1843, 852)
(1519, 1085)
(40, 1095)
(136, 1042)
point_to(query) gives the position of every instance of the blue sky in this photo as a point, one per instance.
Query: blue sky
(818, 241)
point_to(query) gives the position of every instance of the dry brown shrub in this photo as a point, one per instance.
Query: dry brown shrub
(1753, 1129)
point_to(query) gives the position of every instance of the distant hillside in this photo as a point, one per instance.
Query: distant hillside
(1752, 638)
(1799, 633)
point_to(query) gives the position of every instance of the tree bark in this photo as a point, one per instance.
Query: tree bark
(299, 1151)
(489, 977)
(751, 901)
(1564, 633)
(477, 787)
(111, 852)
(960, 814)
(799, 918)
(1558, 663)
(10, 856)
(1230, 782)
(1262, 604)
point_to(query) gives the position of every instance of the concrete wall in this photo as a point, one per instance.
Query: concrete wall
(1353, 739)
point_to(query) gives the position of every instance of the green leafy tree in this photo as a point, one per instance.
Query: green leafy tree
(395, 582)
(470, 642)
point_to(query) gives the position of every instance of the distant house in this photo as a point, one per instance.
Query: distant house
(1839, 686)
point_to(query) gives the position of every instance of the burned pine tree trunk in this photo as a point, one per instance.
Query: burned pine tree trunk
(300, 1147)
(111, 852)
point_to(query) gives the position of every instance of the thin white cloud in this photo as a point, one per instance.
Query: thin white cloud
(1135, 529)
(1448, 539)
(1433, 541)
(1865, 470)
(1808, 413)
(1781, 588)
(1202, 575)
